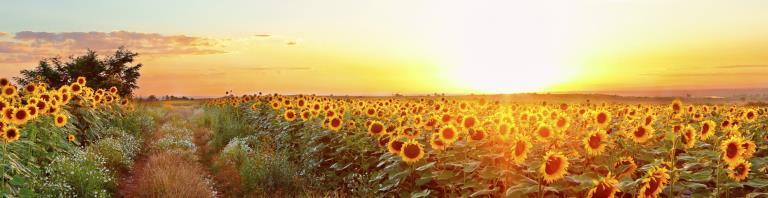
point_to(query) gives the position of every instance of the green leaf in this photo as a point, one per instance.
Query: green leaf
(426, 166)
(471, 166)
(759, 183)
(423, 193)
(483, 192)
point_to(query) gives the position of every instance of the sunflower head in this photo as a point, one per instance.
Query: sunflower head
(81, 80)
(335, 123)
(707, 129)
(739, 170)
(654, 182)
(749, 148)
(605, 188)
(554, 167)
(520, 148)
(71, 138)
(594, 142)
(641, 134)
(688, 137)
(436, 143)
(732, 150)
(289, 115)
(602, 118)
(469, 122)
(11, 134)
(449, 134)
(395, 145)
(60, 120)
(411, 151)
(544, 132)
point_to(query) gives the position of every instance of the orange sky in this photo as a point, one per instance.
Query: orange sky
(379, 48)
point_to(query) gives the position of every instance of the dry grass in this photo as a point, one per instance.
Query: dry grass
(169, 175)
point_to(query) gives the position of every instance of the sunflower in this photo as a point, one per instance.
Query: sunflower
(739, 170)
(649, 119)
(749, 148)
(395, 145)
(504, 130)
(81, 80)
(750, 115)
(409, 132)
(11, 134)
(376, 128)
(4, 82)
(677, 106)
(555, 166)
(707, 129)
(306, 115)
(30, 88)
(630, 166)
(60, 120)
(20, 116)
(335, 123)
(642, 134)
(370, 112)
(544, 132)
(76, 88)
(411, 151)
(653, 182)
(602, 118)
(436, 143)
(469, 122)
(594, 142)
(689, 137)
(32, 110)
(605, 188)
(477, 134)
(9, 91)
(71, 138)
(289, 115)
(8, 114)
(449, 134)
(522, 146)
(732, 150)
(384, 139)
(562, 123)
(275, 105)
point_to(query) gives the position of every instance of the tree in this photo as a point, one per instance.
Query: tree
(102, 73)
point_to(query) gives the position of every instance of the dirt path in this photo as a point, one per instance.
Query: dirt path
(186, 174)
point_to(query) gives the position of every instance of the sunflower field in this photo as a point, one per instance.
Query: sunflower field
(68, 141)
(470, 146)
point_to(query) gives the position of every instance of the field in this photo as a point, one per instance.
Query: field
(74, 141)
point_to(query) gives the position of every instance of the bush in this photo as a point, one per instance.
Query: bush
(82, 174)
(265, 174)
(118, 152)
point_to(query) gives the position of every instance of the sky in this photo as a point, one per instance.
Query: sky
(345, 47)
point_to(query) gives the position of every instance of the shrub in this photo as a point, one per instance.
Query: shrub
(82, 174)
(265, 174)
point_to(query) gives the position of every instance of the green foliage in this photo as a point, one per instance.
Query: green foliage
(267, 173)
(82, 174)
(34, 164)
(102, 73)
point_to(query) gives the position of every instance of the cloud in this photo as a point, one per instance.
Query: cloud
(740, 66)
(275, 68)
(2, 34)
(27, 46)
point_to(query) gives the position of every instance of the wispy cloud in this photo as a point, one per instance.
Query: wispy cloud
(273, 68)
(740, 66)
(27, 46)
(2, 34)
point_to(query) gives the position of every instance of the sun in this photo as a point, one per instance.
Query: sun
(517, 54)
